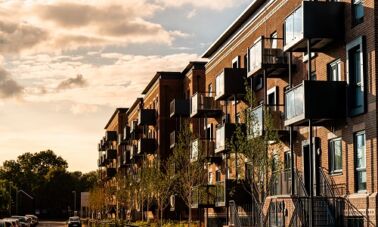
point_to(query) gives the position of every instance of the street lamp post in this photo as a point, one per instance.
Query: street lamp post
(74, 192)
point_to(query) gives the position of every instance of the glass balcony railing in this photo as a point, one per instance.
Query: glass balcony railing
(255, 122)
(316, 100)
(230, 84)
(224, 135)
(266, 54)
(294, 26)
(203, 148)
(203, 104)
(147, 117)
(179, 108)
(146, 146)
(312, 21)
(294, 102)
(203, 196)
(220, 199)
(172, 139)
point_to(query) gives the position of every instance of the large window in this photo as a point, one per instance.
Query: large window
(356, 77)
(334, 70)
(360, 161)
(287, 160)
(335, 156)
(294, 26)
(358, 11)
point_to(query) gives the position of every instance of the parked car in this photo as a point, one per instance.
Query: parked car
(74, 221)
(34, 219)
(24, 222)
(12, 222)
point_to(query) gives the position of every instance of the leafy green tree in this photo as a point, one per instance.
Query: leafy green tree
(187, 173)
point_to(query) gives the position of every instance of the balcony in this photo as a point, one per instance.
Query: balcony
(134, 130)
(101, 162)
(224, 134)
(111, 136)
(146, 146)
(179, 108)
(230, 83)
(320, 21)
(110, 172)
(315, 100)
(133, 151)
(111, 154)
(231, 190)
(147, 117)
(126, 133)
(203, 105)
(203, 148)
(172, 139)
(203, 196)
(259, 124)
(266, 55)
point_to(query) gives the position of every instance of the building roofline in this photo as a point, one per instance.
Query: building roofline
(233, 28)
(118, 110)
(195, 64)
(162, 75)
(135, 104)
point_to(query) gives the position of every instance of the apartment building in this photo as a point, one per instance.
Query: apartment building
(111, 157)
(312, 65)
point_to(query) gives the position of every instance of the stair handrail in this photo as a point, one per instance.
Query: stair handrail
(326, 183)
(360, 214)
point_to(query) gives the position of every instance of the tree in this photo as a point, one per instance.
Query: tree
(188, 173)
(44, 175)
(253, 144)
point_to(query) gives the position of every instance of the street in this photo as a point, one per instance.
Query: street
(51, 223)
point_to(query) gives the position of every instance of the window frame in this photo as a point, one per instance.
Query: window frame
(330, 66)
(357, 3)
(358, 170)
(358, 42)
(331, 157)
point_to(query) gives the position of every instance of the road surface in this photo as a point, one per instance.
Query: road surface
(51, 224)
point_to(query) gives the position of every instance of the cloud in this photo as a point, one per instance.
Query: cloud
(15, 37)
(116, 83)
(209, 4)
(191, 14)
(56, 26)
(8, 87)
(70, 83)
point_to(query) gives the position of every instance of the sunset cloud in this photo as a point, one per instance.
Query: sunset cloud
(68, 25)
(210, 4)
(9, 87)
(70, 83)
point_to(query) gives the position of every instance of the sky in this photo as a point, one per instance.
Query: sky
(65, 65)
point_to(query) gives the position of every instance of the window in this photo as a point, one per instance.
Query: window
(211, 176)
(272, 98)
(357, 11)
(335, 156)
(313, 75)
(275, 162)
(294, 26)
(287, 160)
(210, 89)
(246, 61)
(236, 62)
(360, 161)
(355, 72)
(273, 40)
(258, 82)
(334, 70)
(218, 175)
